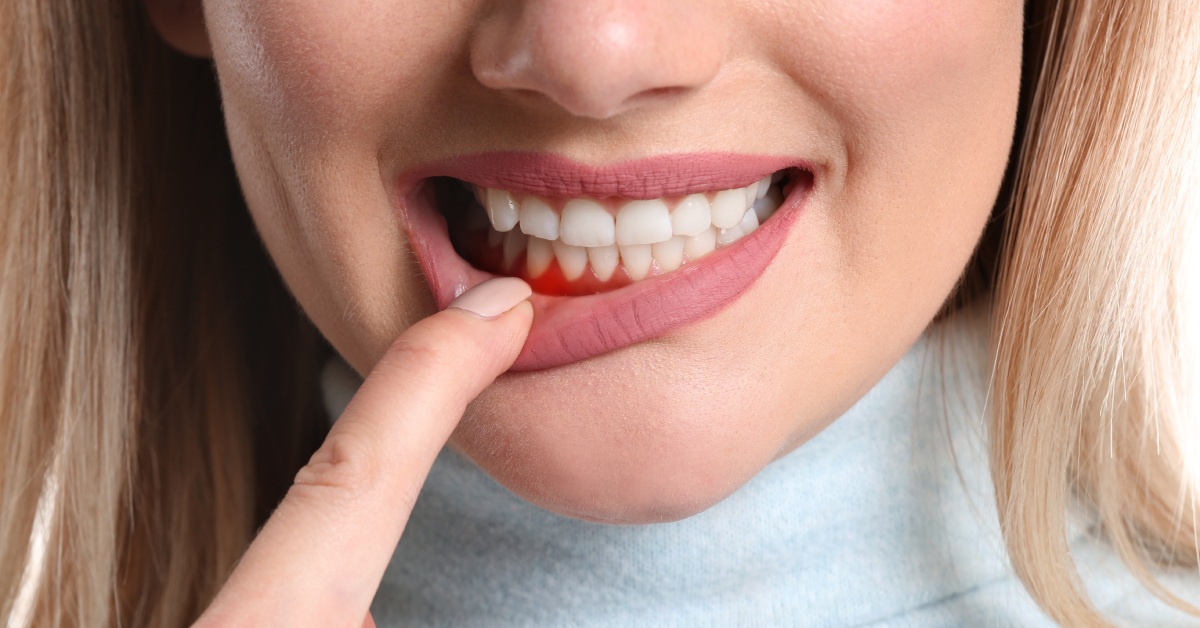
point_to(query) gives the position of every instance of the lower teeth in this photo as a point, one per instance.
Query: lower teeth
(555, 267)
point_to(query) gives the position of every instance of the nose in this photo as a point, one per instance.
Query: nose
(600, 58)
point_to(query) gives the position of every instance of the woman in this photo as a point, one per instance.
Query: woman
(160, 386)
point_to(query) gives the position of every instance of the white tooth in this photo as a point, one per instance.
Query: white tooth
(751, 192)
(572, 260)
(767, 205)
(586, 223)
(643, 222)
(728, 207)
(668, 255)
(749, 222)
(495, 238)
(763, 187)
(603, 260)
(538, 219)
(636, 259)
(502, 210)
(725, 237)
(701, 244)
(514, 245)
(538, 257)
(691, 216)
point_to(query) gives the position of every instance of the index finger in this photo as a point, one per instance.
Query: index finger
(319, 559)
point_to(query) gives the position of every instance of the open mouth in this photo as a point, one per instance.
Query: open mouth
(616, 255)
(581, 245)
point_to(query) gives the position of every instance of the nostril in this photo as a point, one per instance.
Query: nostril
(598, 60)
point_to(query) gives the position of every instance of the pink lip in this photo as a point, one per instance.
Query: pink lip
(570, 329)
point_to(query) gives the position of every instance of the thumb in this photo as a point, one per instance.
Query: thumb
(319, 559)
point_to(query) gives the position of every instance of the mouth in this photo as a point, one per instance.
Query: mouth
(616, 255)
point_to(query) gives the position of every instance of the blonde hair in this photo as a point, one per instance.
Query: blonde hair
(158, 383)
(1088, 389)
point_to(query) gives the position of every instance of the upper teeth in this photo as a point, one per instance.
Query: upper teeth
(587, 222)
(640, 234)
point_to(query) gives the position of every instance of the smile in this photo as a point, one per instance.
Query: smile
(617, 254)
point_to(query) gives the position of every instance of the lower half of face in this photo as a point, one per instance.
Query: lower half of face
(737, 215)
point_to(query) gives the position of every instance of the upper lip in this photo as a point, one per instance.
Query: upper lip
(647, 178)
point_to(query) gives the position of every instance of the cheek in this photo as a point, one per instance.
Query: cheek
(924, 95)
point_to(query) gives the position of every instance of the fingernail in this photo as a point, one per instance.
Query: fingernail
(493, 297)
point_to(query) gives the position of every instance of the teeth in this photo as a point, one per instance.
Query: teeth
(644, 237)
(763, 187)
(538, 219)
(643, 222)
(691, 216)
(728, 207)
(586, 223)
(699, 245)
(725, 237)
(603, 260)
(767, 205)
(751, 192)
(749, 222)
(636, 258)
(539, 254)
(514, 245)
(502, 210)
(572, 260)
(668, 255)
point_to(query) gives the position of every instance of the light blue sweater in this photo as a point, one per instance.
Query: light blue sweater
(884, 519)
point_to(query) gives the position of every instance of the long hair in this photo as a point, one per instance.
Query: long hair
(152, 366)
(1088, 390)
(158, 382)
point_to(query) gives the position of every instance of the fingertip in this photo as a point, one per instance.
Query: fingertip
(493, 298)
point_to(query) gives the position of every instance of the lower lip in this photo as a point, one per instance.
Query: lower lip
(572, 329)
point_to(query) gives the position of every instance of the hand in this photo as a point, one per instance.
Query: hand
(320, 557)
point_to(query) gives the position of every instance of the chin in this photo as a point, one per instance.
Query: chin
(633, 455)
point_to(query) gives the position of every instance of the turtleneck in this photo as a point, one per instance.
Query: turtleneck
(885, 518)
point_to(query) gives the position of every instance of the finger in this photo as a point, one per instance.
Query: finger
(319, 559)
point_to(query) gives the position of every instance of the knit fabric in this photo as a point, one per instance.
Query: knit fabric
(886, 518)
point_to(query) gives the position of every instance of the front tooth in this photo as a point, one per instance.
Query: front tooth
(538, 219)
(691, 216)
(572, 260)
(725, 237)
(502, 210)
(728, 207)
(586, 223)
(514, 245)
(701, 244)
(643, 222)
(538, 257)
(668, 255)
(636, 259)
(603, 260)
(767, 205)
(749, 222)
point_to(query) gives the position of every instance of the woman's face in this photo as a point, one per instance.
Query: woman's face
(888, 122)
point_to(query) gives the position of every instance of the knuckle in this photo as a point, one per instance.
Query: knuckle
(427, 353)
(344, 469)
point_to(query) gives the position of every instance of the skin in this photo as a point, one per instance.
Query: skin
(906, 108)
